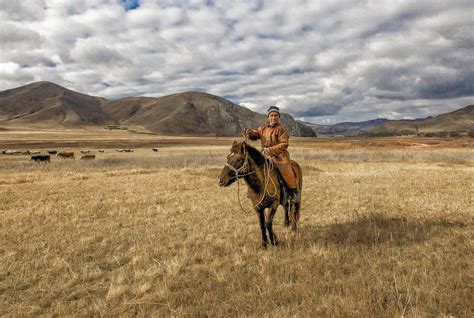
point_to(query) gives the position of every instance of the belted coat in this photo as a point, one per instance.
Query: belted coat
(276, 140)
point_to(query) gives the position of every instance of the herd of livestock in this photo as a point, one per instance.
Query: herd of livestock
(37, 156)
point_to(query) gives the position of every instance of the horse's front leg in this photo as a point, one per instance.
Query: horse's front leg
(269, 225)
(261, 218)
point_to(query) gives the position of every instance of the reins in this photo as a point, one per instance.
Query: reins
(267, 168)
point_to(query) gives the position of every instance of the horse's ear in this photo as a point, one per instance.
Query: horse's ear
(243, 147)
(235, 147)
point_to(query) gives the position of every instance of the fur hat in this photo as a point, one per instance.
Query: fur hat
(272, 109)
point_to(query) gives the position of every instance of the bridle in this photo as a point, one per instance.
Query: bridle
(266, 172)
(243, 167)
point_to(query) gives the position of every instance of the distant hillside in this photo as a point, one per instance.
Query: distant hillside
(346, 128)
(192, 113)
(460, 121)
(294, 127)
(47, 102)
(189, 113)
(455, 123)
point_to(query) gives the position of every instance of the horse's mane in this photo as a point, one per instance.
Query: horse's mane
(256, 155)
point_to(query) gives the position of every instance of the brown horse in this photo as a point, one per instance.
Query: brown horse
(266, 188)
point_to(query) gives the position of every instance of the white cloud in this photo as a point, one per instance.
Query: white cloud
(22, 10)
(93, 52)
(12, 72)
(13, 36)
(252, 106)
(338, 60)
(151, 16)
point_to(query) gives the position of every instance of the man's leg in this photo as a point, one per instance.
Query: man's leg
(290, 180)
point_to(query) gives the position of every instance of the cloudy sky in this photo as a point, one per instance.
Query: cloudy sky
(321, 61)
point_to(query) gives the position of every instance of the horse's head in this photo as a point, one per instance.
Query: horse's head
(237, 164)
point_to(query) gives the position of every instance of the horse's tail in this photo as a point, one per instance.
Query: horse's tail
(298, 173)
(294, 213)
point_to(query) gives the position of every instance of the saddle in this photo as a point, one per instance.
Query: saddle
(281, 173)
(284, 188)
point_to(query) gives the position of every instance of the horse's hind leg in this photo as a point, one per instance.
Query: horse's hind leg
(261, 218)
(294, 216)
(286, 207)
(269, 225)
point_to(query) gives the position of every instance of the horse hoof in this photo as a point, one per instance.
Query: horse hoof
(275, 239)
(264, 246)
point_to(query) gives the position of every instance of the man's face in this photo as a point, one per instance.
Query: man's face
(273, 118)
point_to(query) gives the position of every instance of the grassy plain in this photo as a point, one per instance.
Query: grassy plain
(386, 230)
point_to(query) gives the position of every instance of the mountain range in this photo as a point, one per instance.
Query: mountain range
(188, 113)
(454, 123)
(194, 113)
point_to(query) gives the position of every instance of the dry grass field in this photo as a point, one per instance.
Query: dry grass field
(386, 230)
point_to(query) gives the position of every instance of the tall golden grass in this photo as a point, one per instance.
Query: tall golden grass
(382, 233)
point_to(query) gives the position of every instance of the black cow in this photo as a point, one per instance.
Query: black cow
(41, 158)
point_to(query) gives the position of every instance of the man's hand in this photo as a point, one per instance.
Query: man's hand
(247, 131)
(266, 152)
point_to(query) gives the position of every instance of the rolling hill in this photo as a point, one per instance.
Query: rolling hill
(45, 102)
(192, 113)
(188, 113)
(346, 128)
(457, 122)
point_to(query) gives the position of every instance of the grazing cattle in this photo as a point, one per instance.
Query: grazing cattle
(154, 149)
(85, 151)
(65, 155)
(100, 150)
(52, 152)
(124, 150)
(13, 152)
(87, 157)
(41, 158)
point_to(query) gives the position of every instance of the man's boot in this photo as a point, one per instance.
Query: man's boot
(295, 195)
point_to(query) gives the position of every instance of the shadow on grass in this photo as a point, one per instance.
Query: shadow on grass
(377, 229)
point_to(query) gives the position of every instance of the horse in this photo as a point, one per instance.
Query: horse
(266, 187)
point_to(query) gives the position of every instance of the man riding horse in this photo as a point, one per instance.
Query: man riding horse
(274, 140)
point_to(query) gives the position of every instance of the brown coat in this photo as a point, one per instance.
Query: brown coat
(275, 140)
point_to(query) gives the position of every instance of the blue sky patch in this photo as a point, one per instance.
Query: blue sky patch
(129, 4)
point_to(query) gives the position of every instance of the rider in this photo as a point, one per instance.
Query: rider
(274, 140)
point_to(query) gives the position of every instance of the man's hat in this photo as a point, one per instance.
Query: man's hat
(272, 109)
